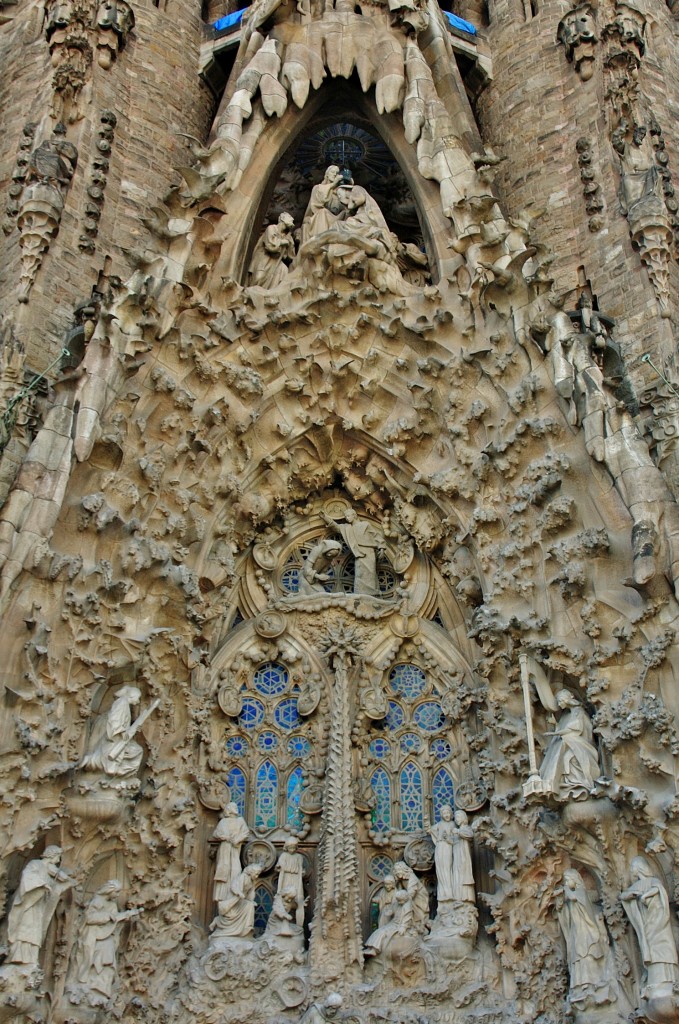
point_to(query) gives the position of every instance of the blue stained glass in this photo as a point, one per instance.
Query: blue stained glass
(251, 714)
(290, 579)
(381, 787)
(437, 619)
(380, 866)
(237, 746)
(266, 796)
(429, 716)
(410, 743)
(299, 746)
(394, 716)
(263, 905)
(379, 747)
(286, 714)
(412, 818)
(443, 792)
(441, 749)
(407, 681)
(270, 679)
(295, 787)
(235, 780)
(267, 741)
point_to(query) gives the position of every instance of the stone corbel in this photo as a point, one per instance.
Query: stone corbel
(578, 34)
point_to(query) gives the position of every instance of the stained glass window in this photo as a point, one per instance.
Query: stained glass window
(263, 905)
(290, 579)
(380, 866)
(443, 792)
(270, 679)
(410, 743)
(407, 681)
(429, 716)
(299, 746)
(440, 749)
(295, 786)
(379, 747)
(266, 796)
(394, 716)
(237, 746)
(235, 780)
(251, 714)
(412, 819)
(381, 787)
(286, 714)
(267, 740)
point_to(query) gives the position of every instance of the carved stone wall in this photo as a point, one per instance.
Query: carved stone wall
(339, 546)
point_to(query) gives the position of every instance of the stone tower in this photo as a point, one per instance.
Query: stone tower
(339, 537)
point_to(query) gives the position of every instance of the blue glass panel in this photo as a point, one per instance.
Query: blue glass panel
(412, 819)
(299, 746)
(263, 905)
(380, 866)
(266, 796)
(407, 681)
(441, 749)
(429, 716)
(286, 714)
(235, 780)
(270, 679)
(290, 579)
(379, 747)
(295, 787)
(251, 714)
(443, 792)
(394, 716)
(237, 746)
(381, 816)
(410, 743)
(267, 741)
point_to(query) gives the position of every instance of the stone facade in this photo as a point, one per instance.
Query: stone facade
(339, 536)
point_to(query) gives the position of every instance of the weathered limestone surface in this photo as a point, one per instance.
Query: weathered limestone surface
(339, 547)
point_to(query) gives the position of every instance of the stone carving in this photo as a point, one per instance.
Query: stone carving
(594, 200)
(587, 947)
(235, 919)
(94, 970)
(642, 202)
(290, 868)
(571, 764)
(315, 569)
(19, 176)
(97, 178)
(282, 931)
(408, 882)
(627, 28)
(273, 254)
(48, 176)
(231, 833)
(578, 34)
(319, 1013)
(114, 20)
(395, 920)
(647, 905)
(364, 540)
(116, 753)
(41, 886)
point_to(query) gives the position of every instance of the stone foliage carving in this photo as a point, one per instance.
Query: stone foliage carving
(48, 175)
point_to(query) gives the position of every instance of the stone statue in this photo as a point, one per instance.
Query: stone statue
(236, 912)
(395, 917)
(443, 835)
(640, 183)
(272, 254)
(571, 762)
(324, 205)
(290, 870)
(463, 876)
(314, 572)
(587, 945)
(365, 541)
(647, 905)
(231, 832)
(318, 1013)
(42, 883)
(95, 963)
(407, 880)
(116, 753)
(281, 930)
